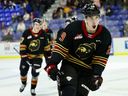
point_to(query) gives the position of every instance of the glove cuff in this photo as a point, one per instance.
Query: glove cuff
(48, 69)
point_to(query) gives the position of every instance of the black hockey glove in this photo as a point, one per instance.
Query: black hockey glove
(95, 82)
(25, 59)
(52, 71)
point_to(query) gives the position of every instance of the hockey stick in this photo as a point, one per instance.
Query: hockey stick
(37, 70)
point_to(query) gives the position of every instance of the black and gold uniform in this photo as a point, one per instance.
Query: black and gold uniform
(84, 56)
(87, 53)
(33, 47)
(83, 50)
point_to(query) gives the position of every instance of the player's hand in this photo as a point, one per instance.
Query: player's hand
(95, 83)
(52, 71)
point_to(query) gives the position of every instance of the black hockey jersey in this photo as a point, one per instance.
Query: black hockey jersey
(34, 45)
(77, 47)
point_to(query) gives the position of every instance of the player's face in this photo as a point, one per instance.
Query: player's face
(92, 21)
(37, 26)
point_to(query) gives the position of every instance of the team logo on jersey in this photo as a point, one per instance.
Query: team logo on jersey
(85, 50)
(29, 37)
(78, 36)
(34, 45)
(62, 37)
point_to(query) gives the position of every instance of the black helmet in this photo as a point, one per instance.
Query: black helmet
(38, 20)
(90, 10)
(67, 21)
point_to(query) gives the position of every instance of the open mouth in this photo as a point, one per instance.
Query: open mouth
(94, 26)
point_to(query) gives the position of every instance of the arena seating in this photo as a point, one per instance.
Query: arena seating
(115, 22)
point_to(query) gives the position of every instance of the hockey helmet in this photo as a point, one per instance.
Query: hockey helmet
(90, 9)
(68, 20)
(38, 20)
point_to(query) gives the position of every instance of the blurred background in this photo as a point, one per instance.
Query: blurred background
(16, 15)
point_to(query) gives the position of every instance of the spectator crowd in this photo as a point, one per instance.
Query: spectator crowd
(16, 15)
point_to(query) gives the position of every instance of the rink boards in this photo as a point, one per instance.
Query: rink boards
(119, 47)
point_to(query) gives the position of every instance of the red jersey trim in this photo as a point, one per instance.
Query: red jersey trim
(35, 33)
(99, 30)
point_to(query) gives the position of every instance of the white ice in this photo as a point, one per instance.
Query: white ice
(115, 79)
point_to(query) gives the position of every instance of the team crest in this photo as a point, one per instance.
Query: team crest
(85, 50)
(34, 45)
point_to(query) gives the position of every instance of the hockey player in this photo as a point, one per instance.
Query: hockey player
(33, 46)
(84, 48)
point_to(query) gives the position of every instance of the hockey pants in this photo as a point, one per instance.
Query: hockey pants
(24, 67)
(71, 82)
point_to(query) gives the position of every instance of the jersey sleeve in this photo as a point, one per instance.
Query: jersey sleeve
(102, 53)
(23, 45)
(61, 47)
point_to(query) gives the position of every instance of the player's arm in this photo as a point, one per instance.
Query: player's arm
(23, 45)
(59, 52)
(99, 62)
(102, 53)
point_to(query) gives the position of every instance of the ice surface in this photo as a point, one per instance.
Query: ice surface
(115, 79)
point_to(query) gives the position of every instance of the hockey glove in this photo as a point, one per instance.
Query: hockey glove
(25, 59)
(95, 83)
(52, 71)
